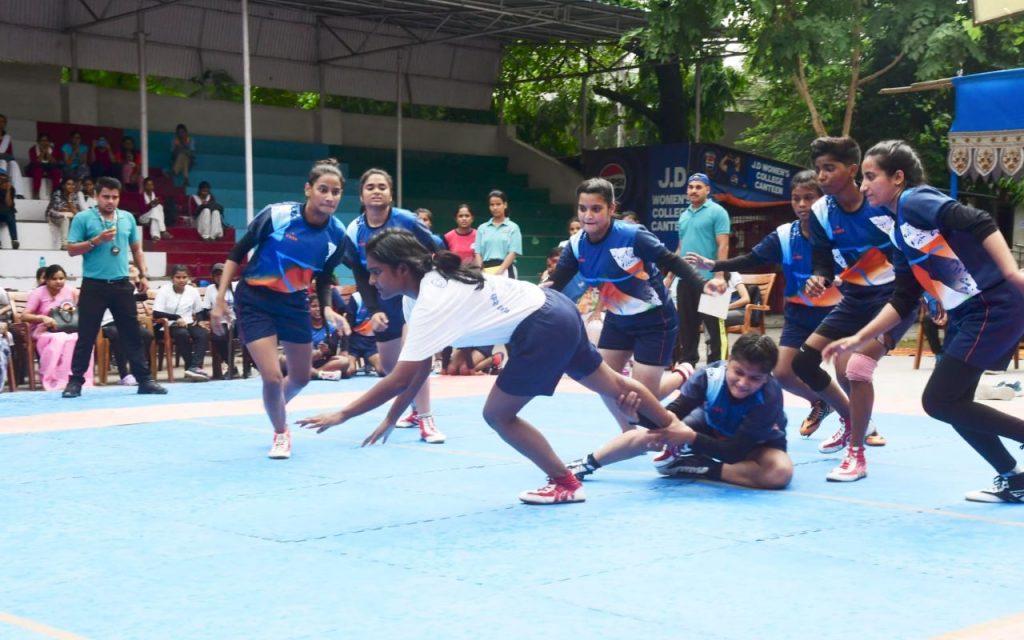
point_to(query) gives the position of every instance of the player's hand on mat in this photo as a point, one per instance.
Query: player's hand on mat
(322, 422)
(379, 322)
(629, 405)
(716, 287)
(699, 261)
(815, 286)
(381, 433)
(842, 345)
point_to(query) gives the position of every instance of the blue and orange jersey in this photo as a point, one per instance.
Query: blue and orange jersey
(621, 266)
(787, 246)
(360, 316)
(289, 251)
(950, 264)
(859, 240)
(360, 232)
(760, 415)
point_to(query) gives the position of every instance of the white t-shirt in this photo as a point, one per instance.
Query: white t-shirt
(184, 305)
(448, 312)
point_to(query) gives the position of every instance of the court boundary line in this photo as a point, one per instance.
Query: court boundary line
(1007, 628)
(38, 627)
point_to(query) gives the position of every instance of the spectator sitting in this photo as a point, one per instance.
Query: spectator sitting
(55, 347)
(220, 339)
(128, 158)
(86, 196)
(154, 214)
(7, 208)
(326, 363)
(474, 361)
(7, 161)
(179, 303)
(183, 154)
(209, 213)
(103, 159)
(75, 156)
(737, 305)
(363, 342)
(110, 331)
(63, 207)
(630, 216)
(43, 163)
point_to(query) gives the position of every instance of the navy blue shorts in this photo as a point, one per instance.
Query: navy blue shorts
(651, 335)
(800, 321)
(985, 330)
(262, 312)
(362, 346)
(549, 342)
(396, 319)
(858, 307)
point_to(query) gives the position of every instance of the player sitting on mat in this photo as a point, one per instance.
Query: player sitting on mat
(735, 410)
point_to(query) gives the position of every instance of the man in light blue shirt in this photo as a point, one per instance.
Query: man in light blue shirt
(103, 235)
(703, 229)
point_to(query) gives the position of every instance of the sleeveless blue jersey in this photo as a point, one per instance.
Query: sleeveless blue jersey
(359, 232)
(621, 266)
(951, 265)
(289, 252)
(860, 241)
(787, 247)
(760, 414)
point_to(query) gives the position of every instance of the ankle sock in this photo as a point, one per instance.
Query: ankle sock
(594, 464)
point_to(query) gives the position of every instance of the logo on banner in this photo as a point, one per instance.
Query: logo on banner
(615, 174)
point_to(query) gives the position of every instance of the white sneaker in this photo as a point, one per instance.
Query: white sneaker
(282, 447)
(328, 375)
(196, 374)
(428, 430)
(128, 381)
(988, 392)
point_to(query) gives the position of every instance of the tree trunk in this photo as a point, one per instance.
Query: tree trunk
(673, 112)
(800, 81)
(855, 55)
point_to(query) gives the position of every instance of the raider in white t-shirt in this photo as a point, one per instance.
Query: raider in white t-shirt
(543, 333)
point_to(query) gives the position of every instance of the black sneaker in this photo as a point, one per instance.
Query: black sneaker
(73, 390)
(1003, 490)
(150, 387)
(688, 465)
(580, 468)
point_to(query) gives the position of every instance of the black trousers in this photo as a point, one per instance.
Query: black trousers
(117, 348)
(949, 397)
(687, 301)
(97, 296)
(191, 343)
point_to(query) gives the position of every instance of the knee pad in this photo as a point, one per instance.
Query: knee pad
(861, 368)
(807, 366)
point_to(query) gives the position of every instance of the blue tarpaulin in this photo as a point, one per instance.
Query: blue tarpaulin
(987, 136)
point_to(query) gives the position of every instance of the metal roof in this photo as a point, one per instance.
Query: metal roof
(450, 49)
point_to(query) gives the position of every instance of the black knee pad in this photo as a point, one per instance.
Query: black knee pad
(807, 365)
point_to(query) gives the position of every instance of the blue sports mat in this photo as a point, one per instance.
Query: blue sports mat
(184, 529)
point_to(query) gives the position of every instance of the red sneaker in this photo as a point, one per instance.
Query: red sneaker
(428, 429)
(839, 440)
(852, 468)
(564, 489)
(409, 421)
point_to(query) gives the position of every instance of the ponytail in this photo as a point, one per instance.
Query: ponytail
(397, 246)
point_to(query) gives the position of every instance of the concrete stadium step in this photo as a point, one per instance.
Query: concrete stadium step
(23, 263)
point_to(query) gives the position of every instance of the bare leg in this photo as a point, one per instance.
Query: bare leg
(831, 394)
(625, 446)
(616, 360)
(276, 391)
(501, 411)
(766, 468)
